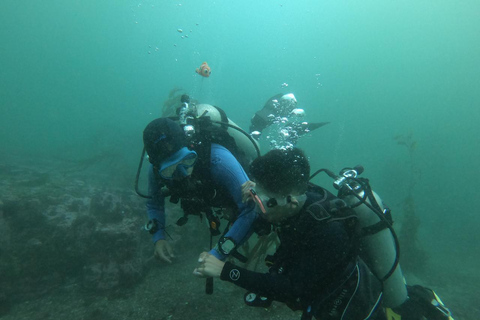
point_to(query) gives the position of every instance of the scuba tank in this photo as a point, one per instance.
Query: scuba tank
(248, 146)
(378, 243)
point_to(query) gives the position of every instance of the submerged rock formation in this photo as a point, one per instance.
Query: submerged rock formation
(56, 230)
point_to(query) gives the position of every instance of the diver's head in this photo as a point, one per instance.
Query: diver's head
(281, 178)
(165, 144)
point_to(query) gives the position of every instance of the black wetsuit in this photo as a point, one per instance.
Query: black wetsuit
(316, 268)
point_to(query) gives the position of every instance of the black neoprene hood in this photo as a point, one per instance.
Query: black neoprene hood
(162, 137)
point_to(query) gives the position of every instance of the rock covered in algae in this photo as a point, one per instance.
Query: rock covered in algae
(58, 230)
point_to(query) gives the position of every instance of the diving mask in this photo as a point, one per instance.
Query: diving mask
(263, 202)
(178, 165)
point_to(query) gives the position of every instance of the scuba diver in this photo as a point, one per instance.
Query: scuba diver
(321, 266)
(282, 109)
(199, 158)
(196, 158)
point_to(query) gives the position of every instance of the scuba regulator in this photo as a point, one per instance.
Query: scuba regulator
(185, 113)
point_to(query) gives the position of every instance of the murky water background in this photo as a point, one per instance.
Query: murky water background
(398, 81)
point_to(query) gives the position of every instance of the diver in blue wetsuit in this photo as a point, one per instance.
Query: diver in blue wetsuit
(201, 176)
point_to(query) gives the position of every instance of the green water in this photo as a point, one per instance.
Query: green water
(78, 78)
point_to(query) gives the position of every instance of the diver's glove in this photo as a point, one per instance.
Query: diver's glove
(422, 303)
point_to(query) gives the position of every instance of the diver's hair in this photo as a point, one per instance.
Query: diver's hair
(282, 171)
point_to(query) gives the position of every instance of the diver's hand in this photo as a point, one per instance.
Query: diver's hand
(163, 251)
(209, 266)
(246, 190)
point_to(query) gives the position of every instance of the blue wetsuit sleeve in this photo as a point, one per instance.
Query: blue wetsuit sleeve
(227, 173)
(156, 205)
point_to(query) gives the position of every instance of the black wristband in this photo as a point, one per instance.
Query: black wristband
(152, 226)
(231, 272)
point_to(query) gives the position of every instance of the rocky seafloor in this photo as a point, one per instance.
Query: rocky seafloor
(72, 248)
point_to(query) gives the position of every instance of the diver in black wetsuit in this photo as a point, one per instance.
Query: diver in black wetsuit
(316, 268)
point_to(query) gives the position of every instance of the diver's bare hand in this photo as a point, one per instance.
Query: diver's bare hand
(163, 251)
(209, 266)
(246, 190)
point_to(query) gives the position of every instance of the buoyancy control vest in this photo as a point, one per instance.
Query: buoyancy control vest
(203, 125)
(210, 124)
(370, 225)
(321, 207)
(349, 288)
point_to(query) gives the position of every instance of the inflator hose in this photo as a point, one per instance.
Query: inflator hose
(137, 177)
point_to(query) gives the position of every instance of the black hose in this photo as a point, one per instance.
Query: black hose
(209, 280)
(137, 177)
(330, 174)
(257, 149)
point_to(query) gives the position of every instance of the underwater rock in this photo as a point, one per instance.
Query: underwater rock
(67, 230)
(4, 230)
(100, 276)
(5, 303)
(112, 275)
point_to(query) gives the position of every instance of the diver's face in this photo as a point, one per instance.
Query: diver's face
(179, 165)
(158, 154)
(182, 172)
(279, 213)
(274, 207)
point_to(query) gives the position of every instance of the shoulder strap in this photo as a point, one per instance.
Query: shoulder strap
(328, 207)
(219, 133)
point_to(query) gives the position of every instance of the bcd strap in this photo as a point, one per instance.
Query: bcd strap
(374, 228)
(318, 211)
(335, 209)
(379, 226)
(223, 117)
(209, 132)
(370, 195)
